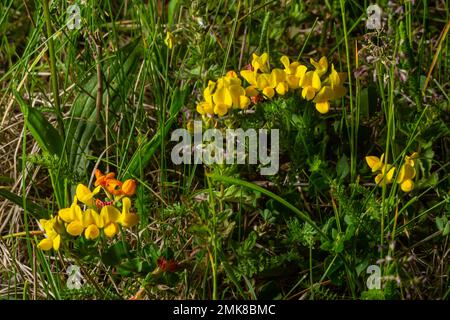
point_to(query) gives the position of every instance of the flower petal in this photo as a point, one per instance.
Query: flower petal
(220, 109)
(45, 244)
(321, 66)
(281, 88)
(308, 93)
(244, 102)
(66, 215)
(268, 92)
(223, 96)
(85, 195)
(56, 242)
(205, 108)
(111, 230)
(75, 228)
(407, 185)
(300, 72)
(129, 187)
(285, 61)
(249, 76)
(373, 162)
(109, 214)
(316, 84)
(251, 91)
(91, 232)
(323, 107)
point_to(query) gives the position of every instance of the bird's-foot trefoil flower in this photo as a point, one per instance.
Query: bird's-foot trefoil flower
(91, 212)
(386, 172)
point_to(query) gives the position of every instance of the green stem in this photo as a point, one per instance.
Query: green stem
(352, 115)
(24, 191)
(54, 75)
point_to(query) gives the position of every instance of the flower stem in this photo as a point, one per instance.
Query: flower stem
(54, 75)
(22, 233)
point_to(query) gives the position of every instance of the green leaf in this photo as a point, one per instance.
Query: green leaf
(82, 125)
(7, 180)
(231, 275)
(36, 210)
(364, 103)
(342, 167)
(115, 254)
(42, 131)
(49, 140)
(130, 267)
(446, 230)
(361, 267)
(145, 152)
(173, 4)
(440, 222)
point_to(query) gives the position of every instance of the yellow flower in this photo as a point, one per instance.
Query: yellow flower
(260, 62)
(238, 97)
(407, 185)
(222, 101)
(321, 66)
(85, 195)
(169, 40)
(294, 72)
(53, 238)
(77, 220)
(385, 177)
(110, 216)
(386, 171)
(244, 101)
(238, 94)
(207, 107)
(251, 91)
(258, 82)
(231, 78)
(250, 77)
(311, 84)
(336, 80)
(411, 159)
(263, 84)
(278, 81)
(223, 95)
(407, 173)
(92, 222)
(46, 244)
(127, 219)
(73, 216)
(375, 163)
(322, 99)
(405, 176)
(75, 228)
(92, 232)
(289, 68)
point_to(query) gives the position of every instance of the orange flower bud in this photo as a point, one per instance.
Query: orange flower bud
(114, 187)
(101, 179)
(129, 187)
(98, 173)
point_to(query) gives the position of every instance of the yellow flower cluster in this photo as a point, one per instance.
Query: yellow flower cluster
(263, 83)
(222, 95)
(97, 215)
(386, 171)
